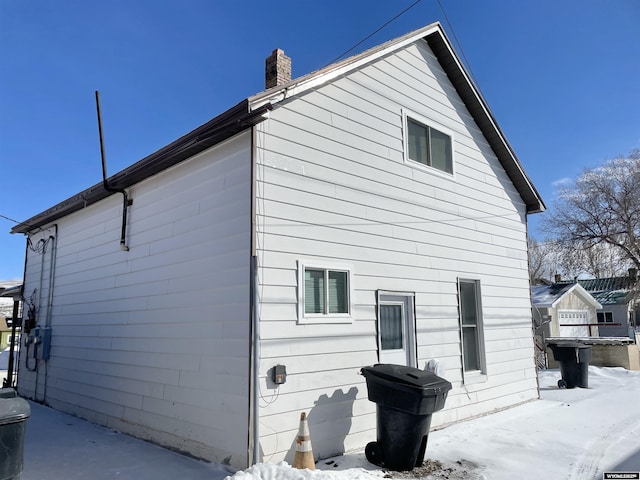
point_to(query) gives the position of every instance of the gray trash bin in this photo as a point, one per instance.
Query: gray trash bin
(14, 412)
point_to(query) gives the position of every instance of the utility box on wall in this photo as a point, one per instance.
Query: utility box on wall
(39, 343)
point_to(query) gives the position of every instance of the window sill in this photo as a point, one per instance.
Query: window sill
(428, 168)
(471, 378)
(321, 319)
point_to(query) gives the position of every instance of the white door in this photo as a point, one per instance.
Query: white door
(573, 323)
(396, 329)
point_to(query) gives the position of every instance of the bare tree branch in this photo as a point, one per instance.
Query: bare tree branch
(601, 208)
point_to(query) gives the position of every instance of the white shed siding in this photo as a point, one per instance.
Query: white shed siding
(155, 341)
(333, 187)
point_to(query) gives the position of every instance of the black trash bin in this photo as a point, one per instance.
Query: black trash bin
(574, 360)
(14, 412)
(405, 398)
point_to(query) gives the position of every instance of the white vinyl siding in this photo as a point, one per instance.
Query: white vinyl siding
(154, 341)
(334, 186)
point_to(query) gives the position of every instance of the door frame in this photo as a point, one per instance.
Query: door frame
(409, 327)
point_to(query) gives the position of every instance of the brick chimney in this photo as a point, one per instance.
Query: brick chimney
(277, 69)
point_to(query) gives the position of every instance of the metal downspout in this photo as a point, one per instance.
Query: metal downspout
(52, 280)
(255, 366)
(254, 362)
(52, 274)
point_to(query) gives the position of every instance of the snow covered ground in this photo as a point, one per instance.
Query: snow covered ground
(568, 434)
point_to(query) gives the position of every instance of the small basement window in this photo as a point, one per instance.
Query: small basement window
(324, 294)
(428, 146)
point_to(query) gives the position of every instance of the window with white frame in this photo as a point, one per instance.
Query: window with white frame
(324, 293)
(605, 317)
(427, 145)
(471, 328)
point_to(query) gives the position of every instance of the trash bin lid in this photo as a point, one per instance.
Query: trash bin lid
(13, 410)
(401, 374)
(8, 393)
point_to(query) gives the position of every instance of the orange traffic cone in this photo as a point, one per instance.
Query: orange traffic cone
(304, 453)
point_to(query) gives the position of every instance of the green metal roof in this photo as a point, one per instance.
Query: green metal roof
(609, 291)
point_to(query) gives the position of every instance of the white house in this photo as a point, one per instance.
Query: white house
(372, 211)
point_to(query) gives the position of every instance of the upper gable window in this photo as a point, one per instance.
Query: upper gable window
(428, 145)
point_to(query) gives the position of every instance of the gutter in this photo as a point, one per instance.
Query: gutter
(253, 446)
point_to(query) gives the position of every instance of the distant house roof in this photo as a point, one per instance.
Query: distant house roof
(548, 296)
(10, 289)
(250, 112)
(610, 291)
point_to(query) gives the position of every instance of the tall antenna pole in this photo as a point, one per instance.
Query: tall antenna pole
(102, 154)
(126, 201)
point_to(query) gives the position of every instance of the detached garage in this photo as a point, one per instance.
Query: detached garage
(564, 310)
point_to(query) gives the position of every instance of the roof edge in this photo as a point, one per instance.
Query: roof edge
(470, 94)
(216, 130)
(580, 290)
(250, 112)
(482, 115)
(328, 73)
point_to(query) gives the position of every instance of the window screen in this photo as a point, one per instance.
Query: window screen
(391, 327)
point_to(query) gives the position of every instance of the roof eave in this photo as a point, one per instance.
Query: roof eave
(477, 106)
(220, 128)
(335, 70)
(250, 111)
(586, 296)
(13, 292)
(435, 36)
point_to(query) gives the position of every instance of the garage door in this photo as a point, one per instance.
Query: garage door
(573, 323)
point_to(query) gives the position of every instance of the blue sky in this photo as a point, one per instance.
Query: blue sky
(561, 77)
